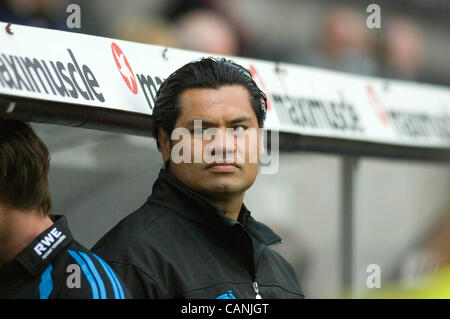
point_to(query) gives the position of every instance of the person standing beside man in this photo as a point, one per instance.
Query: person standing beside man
(39, 259)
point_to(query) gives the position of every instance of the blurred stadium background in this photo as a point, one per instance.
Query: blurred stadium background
(402, 208)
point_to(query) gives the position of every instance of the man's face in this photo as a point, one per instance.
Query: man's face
(226, 163)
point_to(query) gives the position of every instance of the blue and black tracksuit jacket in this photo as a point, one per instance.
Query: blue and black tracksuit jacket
(54, 265)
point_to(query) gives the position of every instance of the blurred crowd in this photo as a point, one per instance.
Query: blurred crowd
(342, 41)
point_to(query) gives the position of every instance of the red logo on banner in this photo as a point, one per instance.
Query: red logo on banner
(377, 104)
(258, 79)
(124, 68)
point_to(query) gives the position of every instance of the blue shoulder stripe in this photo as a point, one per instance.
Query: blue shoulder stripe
(46, 284)
(112, 274)
(86, 272)
(97, 276)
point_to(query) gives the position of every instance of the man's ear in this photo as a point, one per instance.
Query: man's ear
(164, 143)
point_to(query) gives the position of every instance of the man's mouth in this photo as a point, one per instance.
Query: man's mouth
(222, 167)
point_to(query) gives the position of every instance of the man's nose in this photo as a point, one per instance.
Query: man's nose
(224, 142)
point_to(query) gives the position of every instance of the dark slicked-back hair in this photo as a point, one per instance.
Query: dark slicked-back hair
(208, 73)
(24, 165)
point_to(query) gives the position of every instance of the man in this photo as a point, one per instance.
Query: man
(194, 237)
(38, 256)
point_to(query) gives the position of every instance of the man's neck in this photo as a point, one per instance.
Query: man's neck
(18, 229)
(231, 205)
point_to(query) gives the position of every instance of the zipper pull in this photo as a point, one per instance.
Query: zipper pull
(255, 288)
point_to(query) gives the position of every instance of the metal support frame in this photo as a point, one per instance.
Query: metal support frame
(348, 169)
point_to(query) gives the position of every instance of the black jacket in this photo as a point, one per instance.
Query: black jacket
(181, 245)
(50, 265)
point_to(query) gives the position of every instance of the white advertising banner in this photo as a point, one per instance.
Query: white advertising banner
(78, 69)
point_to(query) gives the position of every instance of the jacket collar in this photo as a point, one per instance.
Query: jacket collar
(170, 192)
(45, 247)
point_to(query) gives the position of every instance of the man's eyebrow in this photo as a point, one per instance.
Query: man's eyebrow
(207, 123)
(240, 119)
(203, 122)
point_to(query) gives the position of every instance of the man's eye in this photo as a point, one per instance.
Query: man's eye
(239, 128)
(199, 131)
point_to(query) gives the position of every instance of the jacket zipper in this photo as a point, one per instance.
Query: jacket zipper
(255, 283)
(255, 288)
